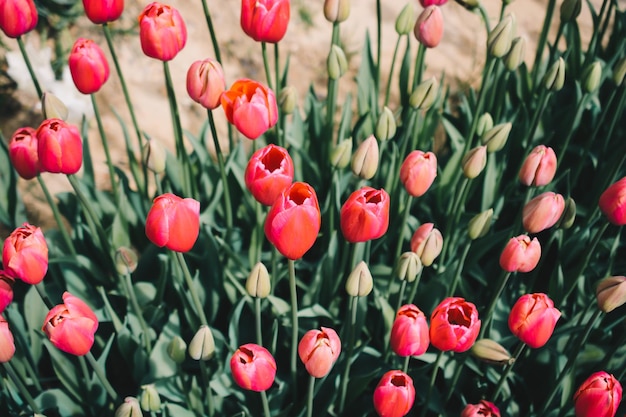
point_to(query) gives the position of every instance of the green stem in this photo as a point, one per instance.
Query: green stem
(453, 217)
(194, 294)
(543, 101)
(257, 322)
(459, 269)
(43, 295)
(379, 46)
(416, 283)
(354, 303)
(101, 376)
(309, 402)
(393, 64)
(491, 62)
(507, 371)
(130, 290)
(209, 22)
(572, 128)
(405, 367)
(547, 24)
(33, 76)
(21, 387)
(401, 295)
(494, 300)
(280, 130)
(57, 216)
(228, 211)
(266, 65)
(419, 65)
(105, 145)
(207, 388)
(433, 378)
(266, 404)
(294, 327)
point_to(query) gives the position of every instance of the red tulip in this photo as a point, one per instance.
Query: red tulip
(7, 344)
(319, 350)
(294, 221)
(253, 367)
(162, 31)
(60, 147)
(520, 254)
(365, 215)
(427, 243)
(71, 326)
(613, 202)
(17, 17)
(454, 325)
(394, 395)
(25, 254)
(418, 172)
(205, 82)
(173, 222)
(598, 396)
(268, 173)
(265, 20)
(409, 333)
(533, 318)
(251, 107)
(539, 167)
(482, 409)
(426, 3)
(6, 290)
(429, 27)
(103, 11)
(88, 66)
(23, 152)
(542, 212)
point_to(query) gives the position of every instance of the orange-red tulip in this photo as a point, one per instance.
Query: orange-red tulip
(365, 215)
(71, 326)
(162, 31)
(598, 396)
(17, 17)
(483, 409)
(25, 254)
(394, 395)
(265, 20)
(251, 107)
(23, 152)
(88, 66)
(613, 202)
(253, 367)
(268, 173)
(59, 147)
(173, 222)
(409, 333)
(521, 254)
(454, 325)
(103, 11)
(533, 318)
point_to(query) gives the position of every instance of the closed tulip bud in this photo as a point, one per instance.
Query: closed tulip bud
(6, 290)
(293, 222)
(480, 224)
(202, 345)
(492, 352)
(205, 82)
(52, 107)
(176, 349)
(268, 173)
(129, 408)
(265, 20)
(365, 159)
(173, 222)
(570, 9)
(386, 125)
(88, 66)
(474, 162)
(613, 202)
(25, 254)
(598, 396)
(483, 409)
(17, 17)
(418, 172)
(611, 293)
(251, 107)
(409, 265)
(521, 254)
(542, 212)
(154, 156)
(288, 99)
(425, 94)
(428, 28)
(162, 31)
(409, 333)
(337, 64)
(539, 167)
(258, 282)
(365, 215)
(427, 243)
(150, 400)
(454, 325)
(501, 37)
(336, 11)
(569, 214)
(7, 344)
(340, 155)
(23, 153)
(533, 318)
(99, 11)
(360, 282)
(496, 137)
(71, 326)
(319, 350)
(591, 77)
(555, 76)
(394, 395)
(485, 123)
(253, 367)
(515, 57)
(59, 147)
(619, 72)
(406, 20)
(125, 260)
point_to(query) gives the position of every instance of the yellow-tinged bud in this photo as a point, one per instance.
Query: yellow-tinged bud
(611, 293)
(570, 9)
(258, 282)
(365, 159)
(336, 11)
(409, 266)
(176, 349)
(469, 4)
(569, 214)
(496, 137)
(480, 224)
(337, 63)
(500, 38)
(386, 126)
(619, 72)
(287, 99)
(360, 282)
(129, 408)
(591, 77)
(150, 400)
(154, 156)
(492, 352)
(425, 94)
(515, 57)
(474, 162)
(202, 346)
(125, 260)
(340, 155)
(406, 20)
(52, 107)
(555, 76)
(484, 124)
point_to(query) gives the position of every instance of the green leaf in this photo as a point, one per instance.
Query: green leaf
(161, 366)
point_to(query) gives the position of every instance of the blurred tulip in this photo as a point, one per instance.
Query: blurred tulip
(539, 167)
(129, 408)
(598, 396)
(154, 156)
(418, 172)
(591, 77)
(501, 37)
(427, 243)
(569, 214)
(360, 282)
(251, 107)
(555, 76)
(482, 409)
(17, 17)
(59, 147)
(424, 94)
(7, 344)
(521, 254)
(570, 9)
(319, 350)
(265, 20)
(258, 284)
(533, 318)
(496, 137)
(23, 152)
(542, 212)
(409, 265)
(71, 326)
(336, 11)
(52, 107)
(202, 345)
(268, 173)
(492, 352)
(619, 72)
(294, 221)
(365, 159)
(88, 66)
(176, 349)
(429, 27)
(426, 3)
(162, 31)
(479, 225)
(613, 202)
(515, 57)
(485, 123)
(386, 125)
(337, 63)
(25, 254)
(253, 367)
(454, 325)
(341, 153)
(365, 215)
(409, 333)
(405, 22)
(6, 290)
(103, 11)
(173, 222)
(288, 99)
(394, 395)
(474, 161)
(610, 293)
(205, 82)
(150, 399)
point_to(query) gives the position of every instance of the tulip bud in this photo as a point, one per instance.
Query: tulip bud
(570, 9)
(485, 123)
(336, 11)
(619, 72)
(386, 125)
(611, 293)
(365, 159)
(521, 254)
(394, 395)
(496, 137)
(205, 82)
(474, 162)
(555, 76)
(425, 94)
(202, 346)
(409, 265)
(406, 20)
(88, 66)
(154, 156)
(427, 243)
(7, 343)
(288, 99)
(340, 155)
(569, 214)
(418, 172)
(337, 64)
(258, 282)
(480, 224)
(23, 153)
(176, 349)
(598, 396)
(591, 77)
(150, 400)
(613, 202)
(428, 28)
(129, 408)
(52, 107)
(265, 20)
(500, 38)
(539, 167)
(360, 282)
(542, 212)
(99, 11)
(515, 57)
(492, 352)
(125, 260)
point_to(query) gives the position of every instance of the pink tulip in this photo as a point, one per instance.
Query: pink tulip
(533, 318)
(88, 66)
(253, 367)
(17, 17)
(542, 212)
(265, 20)
(25, 254)
(71, 326)
(7, 344)
(539, 167)
(521, 254)
(409, 333)
(484, 408)
(173, 222)
(268, 173)
(162, 31)
(59, 147)
(454, 325)
(319, 350)
(205, 83)
(394, 395)
(23, 152)
(429, 27)
(418, 172)
(598, 396)
(251, 107)
(613, 202)
(6, 290)
(365, 215)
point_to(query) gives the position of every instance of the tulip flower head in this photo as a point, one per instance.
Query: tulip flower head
(394, 395)
(610, 293)
(294, 220)
(426, 3)
(429, 27)
(205, 82)
(268, 173)
(88, 66)
(103, 11)
(319, 350)
(59, 147)
(427, 243)
(365, 215)
(162, 31)
(409, 333)
(542, 212)
(17, 17)
(598, 396)
(482, 409)
(7, 344)
(173, 222)
(253, 367)
(539, 167)
(454, 325)
(521, 254)
(613, 202)
(418, 172)
(533, 318)
(25, 254)
(251, 107)
(6, 290)
(71, 326)
(265, 20)
(23, 152)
